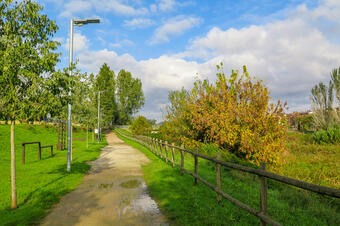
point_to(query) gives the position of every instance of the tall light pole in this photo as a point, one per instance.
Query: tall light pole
(98, 135)
(69, 106)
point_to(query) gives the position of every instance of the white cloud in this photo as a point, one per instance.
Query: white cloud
(117, 7)
(290, 55)
(122, 43)
(174, 27)
(138, 23)
(80, 43)
(166, 5)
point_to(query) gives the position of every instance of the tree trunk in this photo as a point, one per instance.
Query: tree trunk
(92, 135)
(13, 177)
(87, 136)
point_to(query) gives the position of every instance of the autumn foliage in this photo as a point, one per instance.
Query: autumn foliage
(235, 114)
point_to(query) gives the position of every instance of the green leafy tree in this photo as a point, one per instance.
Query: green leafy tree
(233, 113)
(26, 53)
(106, 85)
(176, 125)
(129, 94)
(140, 126)
(85, 110)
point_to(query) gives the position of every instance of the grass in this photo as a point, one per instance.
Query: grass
(303, 160)
(40, 184)
(186, 204)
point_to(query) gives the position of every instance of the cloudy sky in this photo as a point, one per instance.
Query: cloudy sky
(290, 44)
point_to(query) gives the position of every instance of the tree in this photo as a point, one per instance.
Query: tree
(235, 114)
(26, 57)
(85, 110)
(325, 115)
(140, 126)
(176, 124)
(106, 85)
(129, 94)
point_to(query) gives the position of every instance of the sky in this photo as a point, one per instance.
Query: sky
(290, 44)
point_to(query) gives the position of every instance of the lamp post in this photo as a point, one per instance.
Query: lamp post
(98, 134)
(69, 106)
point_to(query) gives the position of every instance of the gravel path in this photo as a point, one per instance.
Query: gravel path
(113, 193)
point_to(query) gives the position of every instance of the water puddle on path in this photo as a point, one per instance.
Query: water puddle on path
(142, 205)
(103, 186)
(131, 184)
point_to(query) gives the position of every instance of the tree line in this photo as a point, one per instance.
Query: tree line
(31, 87)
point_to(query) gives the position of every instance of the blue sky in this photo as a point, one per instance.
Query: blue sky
(291, 44)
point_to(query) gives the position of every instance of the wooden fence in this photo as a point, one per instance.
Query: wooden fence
(162, 148)
(39, 149)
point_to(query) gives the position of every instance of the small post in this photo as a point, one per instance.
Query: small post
(218, 177)
(51, 150)
(196, 167)
(263, 193)
(61, 147)
(58, 145)
(160, 148)
(39, 152)
(156, 145)
(23, 154)
(166, 151)
(182, 160)
(64, 135)
(173, 155)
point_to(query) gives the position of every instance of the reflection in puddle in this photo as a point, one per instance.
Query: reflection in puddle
(102, 186)
(130, 184)
(142, 205)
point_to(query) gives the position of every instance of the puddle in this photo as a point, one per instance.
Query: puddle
(103, 186)
(142, 206)
(131, 184)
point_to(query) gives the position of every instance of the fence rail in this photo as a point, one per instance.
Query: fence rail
(159, 146)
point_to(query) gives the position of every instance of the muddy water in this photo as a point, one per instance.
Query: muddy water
(113, 193)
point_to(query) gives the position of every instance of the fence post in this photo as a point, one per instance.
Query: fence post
(196, 167)
(263, 194)
(52, 150)
(160, 148)
(23, 154)
(182, 160)
(166, 151)
(218, 177)
(61, 145)
(39, 152)
(156, 146)
(58, 136)
(173, 155)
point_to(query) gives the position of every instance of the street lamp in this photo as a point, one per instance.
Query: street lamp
(98, 134)
(69, 107)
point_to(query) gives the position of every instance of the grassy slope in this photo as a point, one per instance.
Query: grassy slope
(318, 164)
(39, 183)
(196, 205)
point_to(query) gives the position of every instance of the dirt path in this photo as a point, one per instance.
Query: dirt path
(113, 193)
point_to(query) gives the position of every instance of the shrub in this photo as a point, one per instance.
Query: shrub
(233, 113)
(328, 136)
(140, 126)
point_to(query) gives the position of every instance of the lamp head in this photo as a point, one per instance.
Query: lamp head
(85, 21)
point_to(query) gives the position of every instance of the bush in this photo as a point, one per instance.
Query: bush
(328, 136)
(140, 126)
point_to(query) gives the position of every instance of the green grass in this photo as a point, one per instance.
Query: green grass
(314, 163)
(40, 184)
(186, 204)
